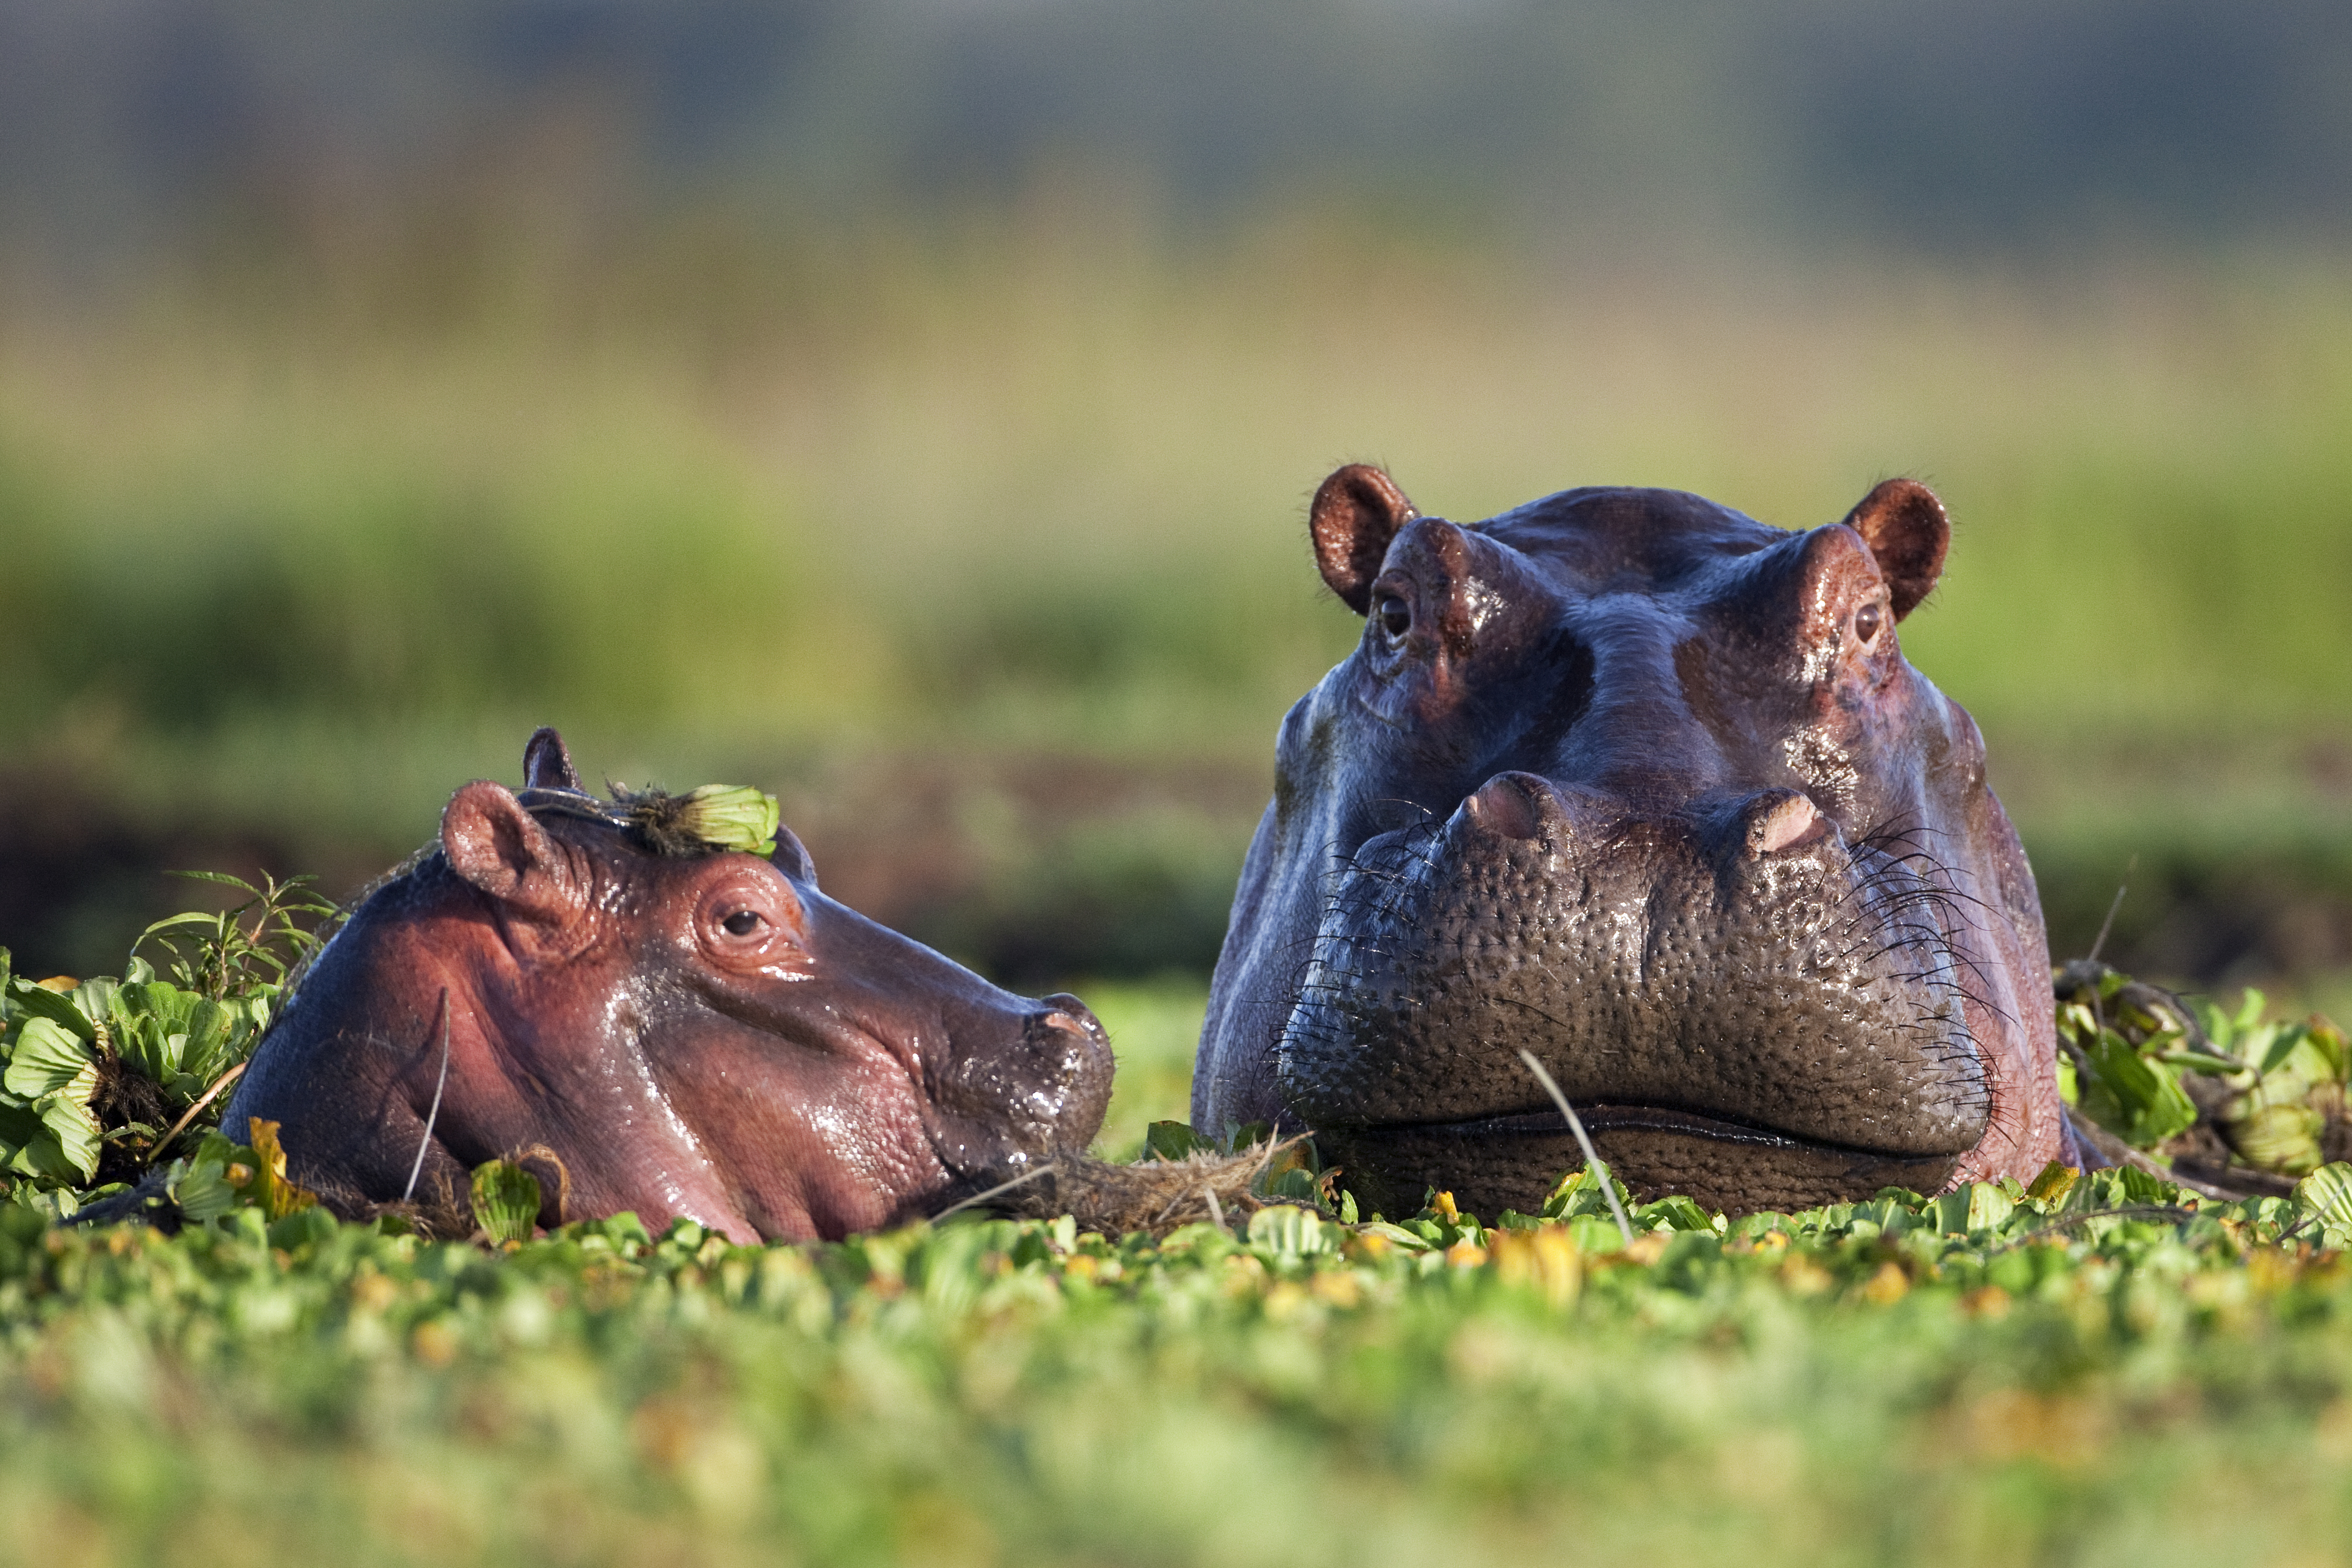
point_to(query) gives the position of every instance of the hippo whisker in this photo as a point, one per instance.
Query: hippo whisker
(440, 1082)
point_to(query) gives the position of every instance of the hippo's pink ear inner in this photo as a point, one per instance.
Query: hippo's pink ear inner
(1906, 528)
(493, 842)
(1355, 514)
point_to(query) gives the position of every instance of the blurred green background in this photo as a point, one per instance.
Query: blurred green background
(911, 407)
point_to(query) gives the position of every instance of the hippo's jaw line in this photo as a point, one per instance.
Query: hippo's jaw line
(1608, 1117)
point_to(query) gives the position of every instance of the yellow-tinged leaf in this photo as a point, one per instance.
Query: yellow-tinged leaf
(1887, 1286)
(2057, 1179)
(278, 1196)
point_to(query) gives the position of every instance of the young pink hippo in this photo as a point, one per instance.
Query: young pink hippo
(1643, 787)
(655, 1025)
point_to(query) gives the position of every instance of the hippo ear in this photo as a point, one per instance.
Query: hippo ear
(1356, 513)
(547, 765)
(792, 856)
(492, 842)
(1904, 526)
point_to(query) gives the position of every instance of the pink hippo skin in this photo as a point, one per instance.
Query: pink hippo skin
(1645, 787)
(699, 1033)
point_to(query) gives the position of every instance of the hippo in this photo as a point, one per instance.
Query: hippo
(1631, 782)
(655, 1023)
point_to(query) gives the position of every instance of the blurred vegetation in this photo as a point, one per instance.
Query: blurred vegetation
(2096, 1370)
(731, 503)
(911, 408)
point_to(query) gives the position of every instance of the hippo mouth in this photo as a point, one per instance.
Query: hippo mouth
(1769, 1028)
(1495, 1162)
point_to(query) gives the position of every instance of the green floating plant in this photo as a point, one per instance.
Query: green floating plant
(714, 817)
(505, 1202)
(99, 1077)
(733, 816)
(2161, 1073)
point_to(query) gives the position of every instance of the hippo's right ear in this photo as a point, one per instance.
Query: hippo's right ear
(1904, 526)
(1356, 513)
(492, 842)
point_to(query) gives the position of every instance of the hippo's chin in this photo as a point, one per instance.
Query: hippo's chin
(1499, 1162)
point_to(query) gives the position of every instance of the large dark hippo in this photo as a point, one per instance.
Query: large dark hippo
(674, 1029)
(1645, 786)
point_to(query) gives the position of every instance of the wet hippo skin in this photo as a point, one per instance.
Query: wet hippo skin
(671, 1028)
(1631, 781)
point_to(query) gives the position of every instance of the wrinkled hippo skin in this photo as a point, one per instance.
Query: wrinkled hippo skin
(703, 1034)
(1637, 784)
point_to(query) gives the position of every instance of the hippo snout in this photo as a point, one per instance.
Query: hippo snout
(1729, 972)
(1073, 1052)
(1039, 1089)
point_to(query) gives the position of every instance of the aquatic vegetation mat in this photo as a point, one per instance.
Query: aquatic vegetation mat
(2094, 1367)
(2112, 1370)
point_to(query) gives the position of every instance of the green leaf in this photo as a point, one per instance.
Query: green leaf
(733, 816)
(1175, 1140)
(2138, 1186)
(2139, 1101)
(1988, 1205)
(201, 1190)
(505, 1201)
(2327, 1194)
(1241, 1135)
(2277, 1137)
(1675, 1213)
(57, 1007)
(213, 1036)
(1297, 1184)
(19, 1125)
(66, 1117)
(49, 1059)
(1289, 1231)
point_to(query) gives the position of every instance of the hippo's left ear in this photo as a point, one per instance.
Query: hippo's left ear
(492, 842)
(1906, 528)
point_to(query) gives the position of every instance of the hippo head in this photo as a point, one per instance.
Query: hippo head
(662, 1025)
(1633, 782)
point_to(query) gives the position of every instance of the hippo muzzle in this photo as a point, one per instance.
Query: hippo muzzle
(1743, 1007)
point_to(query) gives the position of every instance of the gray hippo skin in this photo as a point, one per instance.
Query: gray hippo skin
(1631, 781)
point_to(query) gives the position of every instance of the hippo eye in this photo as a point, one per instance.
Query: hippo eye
(1396, 616)
(1865, 623)
(742, 922)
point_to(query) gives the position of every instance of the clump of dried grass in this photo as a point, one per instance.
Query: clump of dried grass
(1153, 1195)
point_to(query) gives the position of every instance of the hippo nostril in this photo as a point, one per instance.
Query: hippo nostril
(1785, 824)
(1068, 1014)
(1503, 806)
